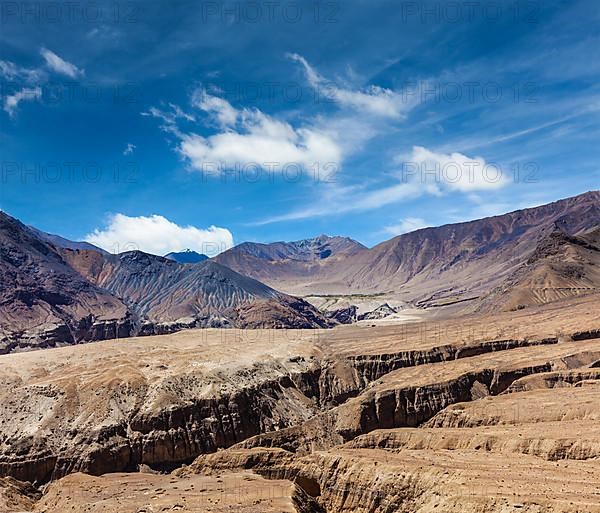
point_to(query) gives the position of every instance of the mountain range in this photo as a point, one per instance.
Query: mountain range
(456, 264)
(54, 291)
(52, 295)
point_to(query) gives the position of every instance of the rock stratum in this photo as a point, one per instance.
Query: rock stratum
(478, 414)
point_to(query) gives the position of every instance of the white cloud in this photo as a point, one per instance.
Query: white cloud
(129, 149)
(407, 225)
(226, 115)
(245, 138)
(424, 172)
(11, 71)
(374, 100)
(250, 136)
(169, 118)
(453, 171)
(29, 80)
(313, 77)
(59, 65)
(179, 113)
(26, 94)
(157, 235)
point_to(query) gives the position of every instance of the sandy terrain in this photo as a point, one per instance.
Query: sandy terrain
(242, 492)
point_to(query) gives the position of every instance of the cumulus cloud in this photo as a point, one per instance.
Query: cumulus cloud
(407, 225)
(250, 136)
(451, 171)
(374, 100)
(11, 102)
(59, 65)
(157, 235)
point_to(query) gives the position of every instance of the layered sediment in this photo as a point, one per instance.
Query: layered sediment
(400, 423)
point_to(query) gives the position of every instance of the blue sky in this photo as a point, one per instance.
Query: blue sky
(359, 118)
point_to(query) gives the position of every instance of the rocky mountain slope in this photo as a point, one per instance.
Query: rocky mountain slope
(491, 414)
(44, 301)
(167, 296)
(287, 262)
(454, 264)
(560, 266)
(61, 242)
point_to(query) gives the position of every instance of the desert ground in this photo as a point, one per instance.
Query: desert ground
(494, 413)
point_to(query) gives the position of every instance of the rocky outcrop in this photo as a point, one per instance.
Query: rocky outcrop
(381, 312)
(400, 399)
(343, 315)
(128, 427)
(16, 496)
(369, 480)
(529, 455)
(554, 379)
(342, 379)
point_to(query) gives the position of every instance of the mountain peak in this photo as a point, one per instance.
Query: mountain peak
(187, 256)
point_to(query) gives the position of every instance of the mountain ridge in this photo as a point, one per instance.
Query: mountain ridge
(450, 263)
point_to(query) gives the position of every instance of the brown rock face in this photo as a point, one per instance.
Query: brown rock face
(527, 451)
(43, 301)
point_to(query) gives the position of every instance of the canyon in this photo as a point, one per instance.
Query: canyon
(480, 413)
